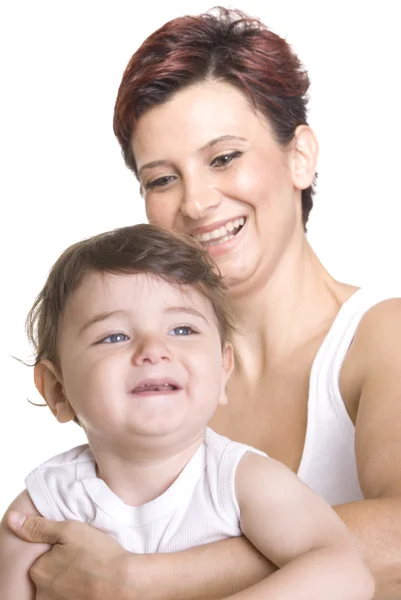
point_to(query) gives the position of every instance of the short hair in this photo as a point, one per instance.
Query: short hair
(221, 45)
(177, 259)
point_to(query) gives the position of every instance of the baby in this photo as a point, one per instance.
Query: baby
(132, 341)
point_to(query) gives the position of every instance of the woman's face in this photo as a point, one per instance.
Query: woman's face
(210, 167)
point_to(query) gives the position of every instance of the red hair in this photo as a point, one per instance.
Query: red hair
(224, 45)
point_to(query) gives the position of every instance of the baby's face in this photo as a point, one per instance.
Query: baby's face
(141, 359)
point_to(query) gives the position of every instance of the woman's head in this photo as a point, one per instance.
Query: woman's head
(222, 46)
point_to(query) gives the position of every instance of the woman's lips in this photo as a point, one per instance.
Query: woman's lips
(220, 233)
(225, 243)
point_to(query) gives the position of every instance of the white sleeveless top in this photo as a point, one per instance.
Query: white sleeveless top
(328, 463)
(200, 507)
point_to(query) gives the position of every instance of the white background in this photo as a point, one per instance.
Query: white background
(62, 176)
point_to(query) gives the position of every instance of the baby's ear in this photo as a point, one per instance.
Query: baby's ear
(227, 366)
(49, 383)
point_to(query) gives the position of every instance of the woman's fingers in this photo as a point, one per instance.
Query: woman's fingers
(35, 529)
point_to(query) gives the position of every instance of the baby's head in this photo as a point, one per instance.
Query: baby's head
(132, 336)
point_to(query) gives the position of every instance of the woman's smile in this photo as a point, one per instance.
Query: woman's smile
(220, 238)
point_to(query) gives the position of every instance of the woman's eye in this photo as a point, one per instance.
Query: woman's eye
(182, 330)
(160, 182)
(225, 159)
(115, 338)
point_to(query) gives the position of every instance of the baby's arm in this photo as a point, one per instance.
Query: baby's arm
(17, 556)
(298, 531)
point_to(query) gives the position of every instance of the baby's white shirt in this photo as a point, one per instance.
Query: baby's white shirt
(198, 508)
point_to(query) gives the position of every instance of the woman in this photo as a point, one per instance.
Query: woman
(211, 116)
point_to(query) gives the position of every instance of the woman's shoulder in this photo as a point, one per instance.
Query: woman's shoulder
(379, 328)
(374, 356)
(370, 385)
(363, 314)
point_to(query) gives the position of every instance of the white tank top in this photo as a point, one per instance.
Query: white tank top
(328, 463)
(200, 507)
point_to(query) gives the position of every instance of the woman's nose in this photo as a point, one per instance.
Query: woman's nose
(198, 200)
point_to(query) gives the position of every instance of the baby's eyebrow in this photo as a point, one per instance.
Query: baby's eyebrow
(186, 309)
(99, 318)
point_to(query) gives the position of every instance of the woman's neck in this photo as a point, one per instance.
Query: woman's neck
(299, 301)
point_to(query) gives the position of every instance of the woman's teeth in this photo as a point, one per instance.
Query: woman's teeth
(221, 234)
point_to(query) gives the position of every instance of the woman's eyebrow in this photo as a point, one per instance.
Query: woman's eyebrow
(210, 144)
(151, 165)
(223, 138)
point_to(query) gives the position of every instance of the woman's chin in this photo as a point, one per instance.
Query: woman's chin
(243, 276)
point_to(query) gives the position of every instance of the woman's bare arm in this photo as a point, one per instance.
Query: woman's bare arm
(88, 563)
(376, 524)
(371, 378)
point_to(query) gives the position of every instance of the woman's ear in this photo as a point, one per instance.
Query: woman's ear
(303, 157)
(49, 384)
(227, 367)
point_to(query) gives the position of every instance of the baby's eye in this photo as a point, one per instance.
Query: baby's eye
(114, 338)
(182, 330)
(225, 159)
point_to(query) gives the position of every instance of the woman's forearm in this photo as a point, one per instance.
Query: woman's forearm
(376, 524)
(86, 562)
(327, 573)
(208, 572)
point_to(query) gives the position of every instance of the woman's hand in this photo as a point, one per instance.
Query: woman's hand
(87, 564)
(82, 558)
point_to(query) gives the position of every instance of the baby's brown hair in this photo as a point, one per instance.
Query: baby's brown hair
(177, 259)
